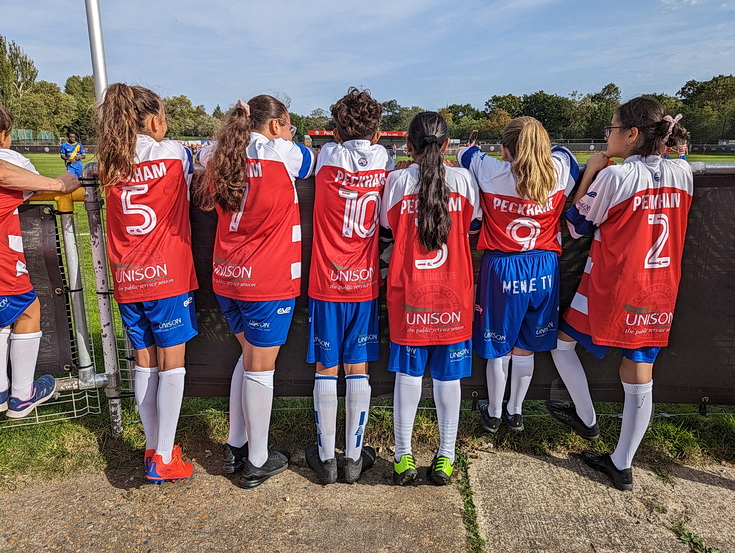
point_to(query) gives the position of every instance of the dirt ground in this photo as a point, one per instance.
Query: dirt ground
(524, 504)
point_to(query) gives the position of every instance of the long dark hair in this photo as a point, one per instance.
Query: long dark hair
(226, 175)
(427, 133)
(647, 115)
(122, 115)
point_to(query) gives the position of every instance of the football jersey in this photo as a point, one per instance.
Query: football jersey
(14, 277)
(511, 223)
(430, 294)
(148, 230)
(638, 211)
(349, 183)
(257, 251)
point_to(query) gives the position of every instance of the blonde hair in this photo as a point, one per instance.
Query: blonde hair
(122, 115)
(528, 142)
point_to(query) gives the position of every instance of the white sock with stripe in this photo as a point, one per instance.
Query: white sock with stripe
(23, 356)
(520, 380)
(145, 385)
(170, 395)
(325, 414)
(637, 411)
(447, 397)
(357, 408)
(257, 403)
(406, 397)
(238, 434)
(496, 373)
(572, 374)
(4, 352)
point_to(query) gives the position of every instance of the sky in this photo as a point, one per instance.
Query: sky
(426, 53)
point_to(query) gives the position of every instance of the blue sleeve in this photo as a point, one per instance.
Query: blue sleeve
(307, 163)
(475, 225)
(466, 157)
(190, 160)
(579, 222)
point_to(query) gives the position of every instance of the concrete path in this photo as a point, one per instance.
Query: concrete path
(524, 504)
(557, 504)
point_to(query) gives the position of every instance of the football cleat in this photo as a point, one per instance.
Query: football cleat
(233, 458)
(404, 471)
(253, 476)
(354, 469)
(621, 479)
(440, 471)
(43, 389)
(567, 414)
(326, 471)
(177, 469)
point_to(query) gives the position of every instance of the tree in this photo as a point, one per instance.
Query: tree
(17, 72)
(186, 119)
(318, 120)
(709, 107)
(509, 103)
(553, 111)
(83, 120)
(45, 108)
(218, 113)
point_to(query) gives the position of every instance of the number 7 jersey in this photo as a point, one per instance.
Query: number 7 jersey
(638, 211)
(148, 229)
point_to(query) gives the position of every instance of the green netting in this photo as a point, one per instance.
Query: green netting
(45, 135)
(21, 134)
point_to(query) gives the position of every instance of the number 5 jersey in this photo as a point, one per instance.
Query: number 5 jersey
(638, 211)
(148, 230)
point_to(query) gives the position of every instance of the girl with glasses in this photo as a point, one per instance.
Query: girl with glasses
(250, 182)
(517, 309)
(638, 212)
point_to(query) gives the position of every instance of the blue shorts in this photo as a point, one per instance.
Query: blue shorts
(166, 322)
(264, 323)
(75, 169)
(517, 303)
(639, 355)
(344, 332)
(12, 307)
(450, 362)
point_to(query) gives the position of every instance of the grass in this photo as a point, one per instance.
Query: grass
(694, 541)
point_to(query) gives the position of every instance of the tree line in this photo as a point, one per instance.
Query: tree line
(708, 108)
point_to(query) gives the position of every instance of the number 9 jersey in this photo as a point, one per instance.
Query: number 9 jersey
(638, 211)
(148, 229)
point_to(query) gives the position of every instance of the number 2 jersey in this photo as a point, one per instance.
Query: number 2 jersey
(148, 229)
(430, 294)
(14, 279)
(349, 183)
(257, 252)
(638, 212)
(515, 224)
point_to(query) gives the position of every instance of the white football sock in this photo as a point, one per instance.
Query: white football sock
(170, 395)
(145, 384)
(357, 407)
(572, 374)
(238, 434)
(447, 397)
(4, 352)
(257, 402)
(325, 414)
(636, 418)
(406, 397)
(520, 380)
(496, 372)
(23, 356)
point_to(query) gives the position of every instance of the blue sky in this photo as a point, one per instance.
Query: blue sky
(428, 53)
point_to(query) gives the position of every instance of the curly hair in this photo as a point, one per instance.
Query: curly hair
(647, 115)
(357, 115)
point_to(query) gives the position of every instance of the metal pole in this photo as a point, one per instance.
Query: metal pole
(96, 47)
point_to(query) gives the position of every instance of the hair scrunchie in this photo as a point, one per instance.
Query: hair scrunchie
(430, 139)
(672, 122)
(243, 106)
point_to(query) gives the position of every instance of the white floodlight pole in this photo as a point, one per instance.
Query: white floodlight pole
(97, 47)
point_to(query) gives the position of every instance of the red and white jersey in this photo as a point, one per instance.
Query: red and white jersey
(515, 224)
(257, 252)
(14, 277)
(628, 290)
(349, 183)
(148, 230)
(430, 294)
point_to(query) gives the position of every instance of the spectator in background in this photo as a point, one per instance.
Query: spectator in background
(72, 152)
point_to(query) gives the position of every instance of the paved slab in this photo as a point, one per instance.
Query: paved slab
(556, 504)
(289, 513)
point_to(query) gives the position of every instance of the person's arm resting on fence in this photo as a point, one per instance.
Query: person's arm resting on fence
(17, 178)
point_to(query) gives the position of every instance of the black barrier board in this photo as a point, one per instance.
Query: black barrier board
(699, 362)
(40, 243)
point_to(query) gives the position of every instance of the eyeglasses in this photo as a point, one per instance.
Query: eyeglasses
(292, 129)
(607, 130)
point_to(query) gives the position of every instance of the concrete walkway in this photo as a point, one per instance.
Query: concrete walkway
(524, 504)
